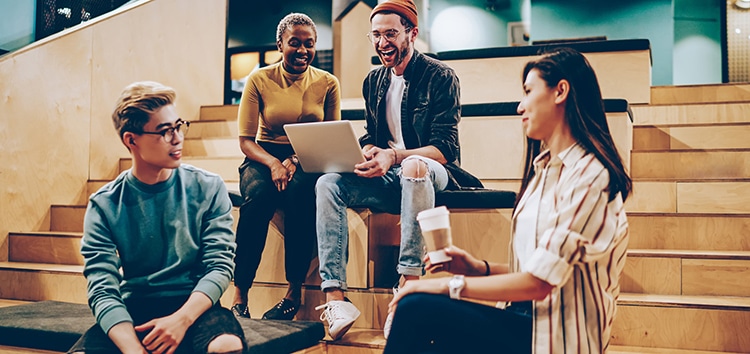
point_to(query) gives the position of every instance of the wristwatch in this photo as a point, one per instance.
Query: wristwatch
(455, 286)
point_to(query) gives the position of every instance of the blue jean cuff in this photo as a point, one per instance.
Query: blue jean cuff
(333, 284)
(415, 271)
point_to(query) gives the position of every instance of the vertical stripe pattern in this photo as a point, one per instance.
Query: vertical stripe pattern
(579, 247)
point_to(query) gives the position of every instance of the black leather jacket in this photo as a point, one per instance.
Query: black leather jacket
(430, 112)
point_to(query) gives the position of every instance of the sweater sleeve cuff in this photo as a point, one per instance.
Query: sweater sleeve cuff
(113, 317)
(549, 267)
(213, 291)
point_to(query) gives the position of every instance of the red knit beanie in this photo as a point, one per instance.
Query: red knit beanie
(405, 8)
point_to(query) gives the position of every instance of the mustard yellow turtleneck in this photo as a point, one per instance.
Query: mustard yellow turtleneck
(273, 97)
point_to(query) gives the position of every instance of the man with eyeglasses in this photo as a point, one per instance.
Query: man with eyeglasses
(412, 110)
(157, 243)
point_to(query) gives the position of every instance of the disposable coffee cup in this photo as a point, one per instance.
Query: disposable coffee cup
(436, 230)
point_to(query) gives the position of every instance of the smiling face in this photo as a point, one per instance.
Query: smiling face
(397, 53)
(297, 45)
(153, 156)
(542, 108)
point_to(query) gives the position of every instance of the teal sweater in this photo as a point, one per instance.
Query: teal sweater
(147, 241)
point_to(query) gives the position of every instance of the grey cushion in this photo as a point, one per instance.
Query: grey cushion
(53, 325)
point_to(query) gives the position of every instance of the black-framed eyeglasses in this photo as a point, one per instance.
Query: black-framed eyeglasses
(389, 35)
(181, 127)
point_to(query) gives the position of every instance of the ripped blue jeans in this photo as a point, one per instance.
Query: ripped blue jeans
(391, 193)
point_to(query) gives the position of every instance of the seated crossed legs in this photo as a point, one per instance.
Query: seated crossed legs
(405, 189)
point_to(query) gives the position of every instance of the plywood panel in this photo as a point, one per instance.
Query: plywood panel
(492, 147)
(212, 147)
(67, 218)
(716, 277)
(682, 328)
(125, 49)
(219, 112)
(650, 138)
(51, 248)
(691, 165)
(700, 94)
(352, 51)
(713, 198)
(44, 129)
(689, 232)
(654, 197)
(691, 114)
(710, 137)
(271, 268)
(624, 75)
(42, 285)
(652, 275)
(217, 129)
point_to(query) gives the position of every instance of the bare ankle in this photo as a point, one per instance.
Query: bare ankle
(334, 295)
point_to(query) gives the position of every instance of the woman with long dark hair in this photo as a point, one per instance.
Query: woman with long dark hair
(559, 290)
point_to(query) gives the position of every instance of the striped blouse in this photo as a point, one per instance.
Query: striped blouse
(579, 245)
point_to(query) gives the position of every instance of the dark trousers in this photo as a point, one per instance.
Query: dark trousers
(429, 323)
(261, 199)
(214, 322)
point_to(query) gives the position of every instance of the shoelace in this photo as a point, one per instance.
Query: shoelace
(330, 314)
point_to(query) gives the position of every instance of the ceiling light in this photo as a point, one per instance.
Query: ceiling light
(742, 4)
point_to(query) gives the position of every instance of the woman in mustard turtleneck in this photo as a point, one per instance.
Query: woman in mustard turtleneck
(288, 92)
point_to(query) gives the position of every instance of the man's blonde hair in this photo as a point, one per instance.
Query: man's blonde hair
(137, 101)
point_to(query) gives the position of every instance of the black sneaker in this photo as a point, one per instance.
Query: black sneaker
(240, 310)
(284, 310)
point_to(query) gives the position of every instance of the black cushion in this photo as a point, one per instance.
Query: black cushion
(476, 198)
(53, 325)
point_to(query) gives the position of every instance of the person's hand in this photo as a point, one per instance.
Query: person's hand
(429, 286)
(291, 168)
(462, 263)
(165, 333)
(379, 161)
(279, 175)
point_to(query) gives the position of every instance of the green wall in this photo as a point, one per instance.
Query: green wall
(650, 19)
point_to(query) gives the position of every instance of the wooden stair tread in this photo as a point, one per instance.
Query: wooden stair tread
(694, 254)
(4, 349)
(44, 267)
(686, 301)
(620, 349)
(71, 234)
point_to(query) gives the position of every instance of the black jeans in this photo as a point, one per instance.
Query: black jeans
(211, 324)
(261, 199)
(429, 323)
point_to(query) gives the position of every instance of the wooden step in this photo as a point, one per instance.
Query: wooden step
(226, 167)
(4, 349)
(689, 197)
(39, 281)
(67, 217)
(689, 231)
(45, 247)
(619, 349)
(709, 323)
(683, 272)
(202, 129)
(698, 323)
(725, 136)
(212, 147)
(219, 112)
(691, 114)
(691, 164)
(719, 93)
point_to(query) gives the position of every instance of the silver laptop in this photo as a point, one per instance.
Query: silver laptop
(325, 146)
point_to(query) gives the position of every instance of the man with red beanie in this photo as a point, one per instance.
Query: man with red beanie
(412, 110)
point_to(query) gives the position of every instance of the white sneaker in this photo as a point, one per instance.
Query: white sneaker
(340, 316)
(389, 319)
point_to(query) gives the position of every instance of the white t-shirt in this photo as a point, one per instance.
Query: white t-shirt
(393, 110)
